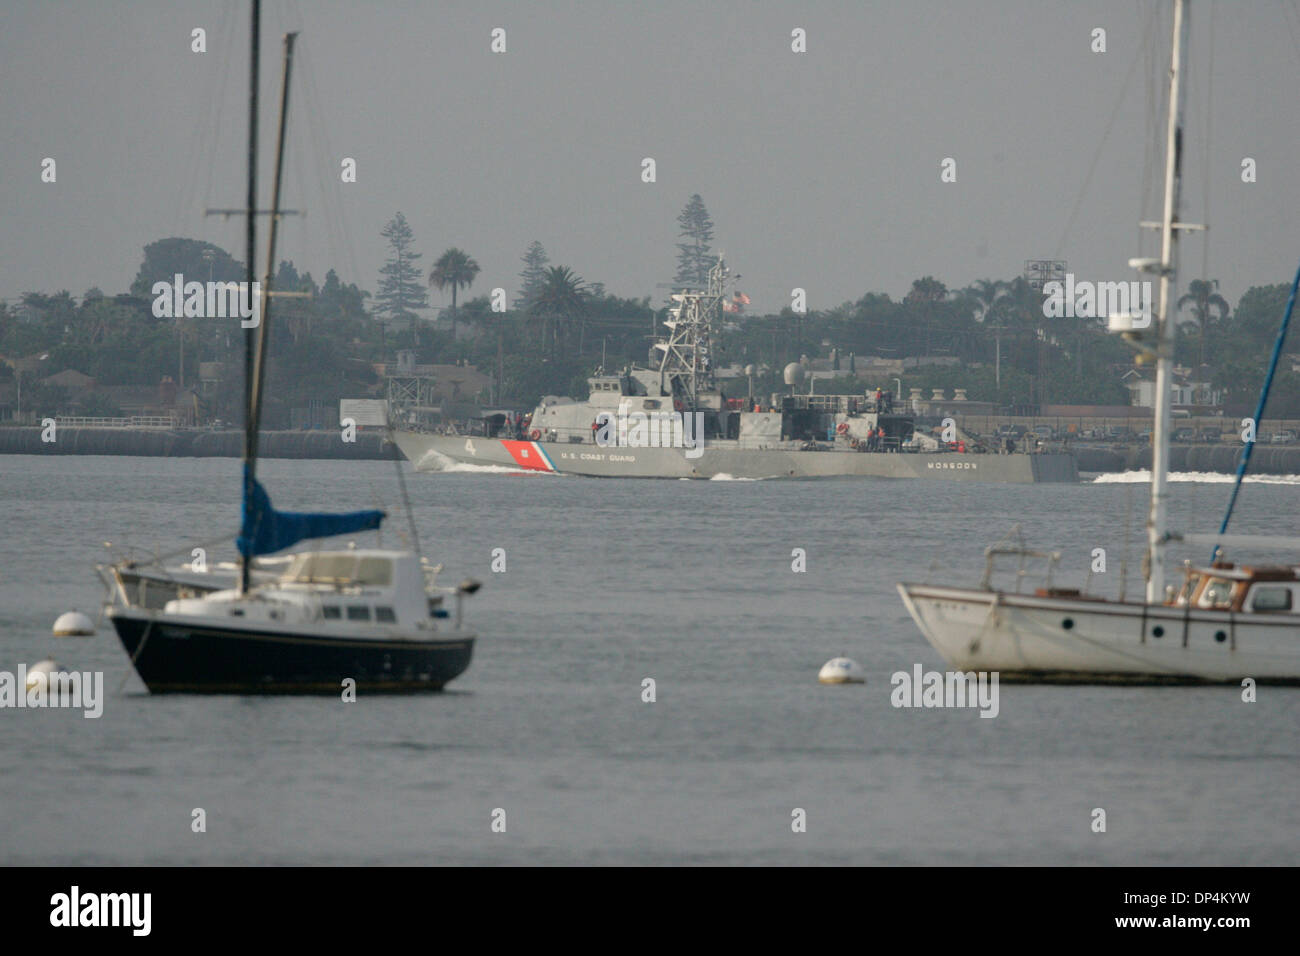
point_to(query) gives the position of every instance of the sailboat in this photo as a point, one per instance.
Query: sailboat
(372, 617)
(1224, 624)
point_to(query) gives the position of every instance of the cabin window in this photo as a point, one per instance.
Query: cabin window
(385, 615)
(324, 569)
(1271, 599)
(358, 612)
(1218, 593)
(330, 612)
(375, 572)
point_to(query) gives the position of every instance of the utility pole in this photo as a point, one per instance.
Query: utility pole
(500, 361)
(997, 331)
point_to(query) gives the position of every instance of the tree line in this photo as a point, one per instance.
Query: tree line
(559, 328)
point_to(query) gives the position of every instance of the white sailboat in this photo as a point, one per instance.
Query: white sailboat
(1225, 622)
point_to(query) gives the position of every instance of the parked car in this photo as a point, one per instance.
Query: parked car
(1210, 435)
(1045, 432)
(1282, 438)
(1185, 434)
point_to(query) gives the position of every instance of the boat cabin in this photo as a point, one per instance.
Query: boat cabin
(367, 588)
(1252, 590)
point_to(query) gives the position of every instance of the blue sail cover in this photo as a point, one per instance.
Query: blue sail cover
(265, 530)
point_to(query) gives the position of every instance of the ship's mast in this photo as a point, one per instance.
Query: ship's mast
(263, 330)
(256, 339)
(250, 335)
(1158, 516)
(687, 352)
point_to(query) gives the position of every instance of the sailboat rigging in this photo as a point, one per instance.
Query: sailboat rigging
(303, 622)
(1225, 623)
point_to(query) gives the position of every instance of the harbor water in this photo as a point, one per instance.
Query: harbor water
(607, 585)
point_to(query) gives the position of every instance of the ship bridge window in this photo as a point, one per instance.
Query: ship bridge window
(1274, 598)
(1218, 593)
(385, 615)
(330, 612)
(358, 612)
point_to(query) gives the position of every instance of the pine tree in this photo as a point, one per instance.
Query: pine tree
(693, 254)
(400, 287)
(534, 260)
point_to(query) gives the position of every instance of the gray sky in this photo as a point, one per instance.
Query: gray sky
(821, 169)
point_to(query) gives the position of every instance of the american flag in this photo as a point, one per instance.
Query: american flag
(737, 303)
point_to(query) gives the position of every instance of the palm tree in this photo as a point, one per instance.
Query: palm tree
(986, 292)
(1205, 305)
(454, 268)
(561, 295)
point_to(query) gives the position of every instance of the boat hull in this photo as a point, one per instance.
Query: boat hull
(181, 656)
(436, 452)
(1055, 639)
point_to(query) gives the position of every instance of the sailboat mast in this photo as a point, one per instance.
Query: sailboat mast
(250, 255)
(1165, 339)
(259, 367)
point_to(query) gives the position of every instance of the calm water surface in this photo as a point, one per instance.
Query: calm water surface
(608, 583)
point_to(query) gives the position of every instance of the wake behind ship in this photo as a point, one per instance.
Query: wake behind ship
(672, 420)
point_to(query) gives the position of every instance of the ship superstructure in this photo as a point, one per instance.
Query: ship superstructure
(671, 419)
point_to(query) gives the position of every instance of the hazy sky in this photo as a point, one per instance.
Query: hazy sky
(820, 169)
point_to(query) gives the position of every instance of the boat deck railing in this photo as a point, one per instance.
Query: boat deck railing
(1029, 562)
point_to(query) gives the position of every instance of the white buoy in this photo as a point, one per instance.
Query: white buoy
(841, 670)
(51, 684)
(39, 673)
(74, 624)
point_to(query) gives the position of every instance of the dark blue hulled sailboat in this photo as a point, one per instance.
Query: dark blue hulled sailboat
(374, 616)
(368, 615)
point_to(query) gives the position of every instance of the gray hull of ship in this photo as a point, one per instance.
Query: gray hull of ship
(434, 452)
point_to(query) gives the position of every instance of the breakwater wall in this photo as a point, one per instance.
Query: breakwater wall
(184, 443)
